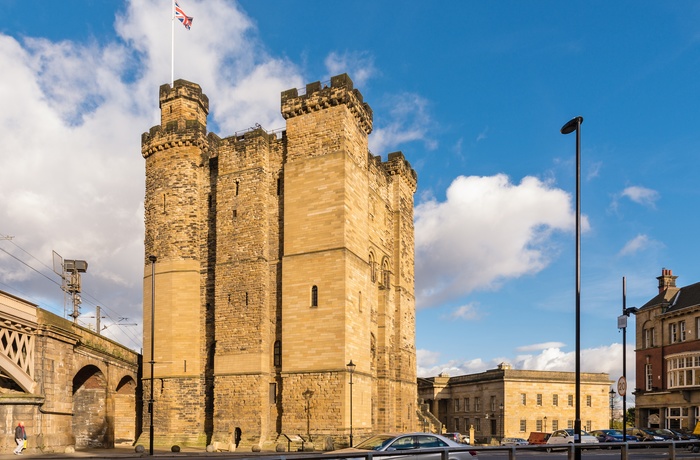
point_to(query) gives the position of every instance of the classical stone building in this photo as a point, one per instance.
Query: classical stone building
(280, 258)
(667, 356)
(506, 402)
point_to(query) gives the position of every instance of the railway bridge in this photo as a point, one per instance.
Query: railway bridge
(69, 385)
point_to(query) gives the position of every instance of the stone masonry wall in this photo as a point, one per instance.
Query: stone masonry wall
(250, 225)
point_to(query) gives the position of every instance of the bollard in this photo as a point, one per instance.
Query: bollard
(623, 451)
(672, 451)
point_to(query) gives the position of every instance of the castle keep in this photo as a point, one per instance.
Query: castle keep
(281, 257)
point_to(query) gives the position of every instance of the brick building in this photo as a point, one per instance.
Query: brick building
(281, 257)
(506, 402)
(667, 356)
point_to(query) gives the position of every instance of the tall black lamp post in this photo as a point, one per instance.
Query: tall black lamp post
(152, 361)
(351, 369)
(575, 125)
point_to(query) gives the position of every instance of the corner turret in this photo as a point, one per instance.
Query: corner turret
(183, 102)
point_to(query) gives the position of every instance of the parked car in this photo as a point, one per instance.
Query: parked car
(563, 437)
(665, 434)
(457, 437)
(410, 443)
(514, 442)
(682, 435)
(537, 438)
(644, 434)
(609, 435)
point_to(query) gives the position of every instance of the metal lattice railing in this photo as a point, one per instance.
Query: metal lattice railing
(18, 346)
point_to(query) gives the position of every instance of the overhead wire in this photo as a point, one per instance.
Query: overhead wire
(130, 336)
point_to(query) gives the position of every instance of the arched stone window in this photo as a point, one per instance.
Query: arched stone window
(372, 267)
(386, 275)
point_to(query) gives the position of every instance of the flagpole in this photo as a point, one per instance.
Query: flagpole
(172, 44)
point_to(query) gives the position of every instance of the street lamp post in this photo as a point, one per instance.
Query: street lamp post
(502, 421)
(612, 407)
(307, 396)
(575, 125)
(545, 423)
(351, 370)
(622, 324)
(152, 362)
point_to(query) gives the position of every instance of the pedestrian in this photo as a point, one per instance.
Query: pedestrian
(20, 437)
(237, 436)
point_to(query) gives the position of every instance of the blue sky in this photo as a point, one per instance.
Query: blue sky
(473, 93)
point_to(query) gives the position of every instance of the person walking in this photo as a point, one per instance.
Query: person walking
(237, 436)
(20, 436)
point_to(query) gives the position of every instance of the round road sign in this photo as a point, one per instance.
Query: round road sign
(622, 386)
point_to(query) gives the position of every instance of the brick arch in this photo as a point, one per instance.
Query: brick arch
(91, 427)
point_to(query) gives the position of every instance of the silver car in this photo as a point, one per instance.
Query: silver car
(564, 437)
(514, 442)
(410, 443)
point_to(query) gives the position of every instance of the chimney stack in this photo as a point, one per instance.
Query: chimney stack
(666, 280)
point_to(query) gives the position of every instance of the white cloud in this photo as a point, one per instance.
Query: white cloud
(641, 195)
(409, 120)
(427, 358)
(468, 312)
(594, 170)
(358, 64)
(540, 346)
(486, 231)
(637, 244)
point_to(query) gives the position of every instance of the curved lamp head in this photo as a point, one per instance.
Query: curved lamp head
(571, 125)
(351, 366)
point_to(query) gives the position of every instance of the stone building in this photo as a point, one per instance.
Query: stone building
(667, 356)
(506, 402)
(280, 258)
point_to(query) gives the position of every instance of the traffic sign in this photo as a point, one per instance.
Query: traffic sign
(622, 386)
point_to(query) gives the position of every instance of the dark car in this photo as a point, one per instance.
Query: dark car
(609, 435)
(663, 433)
(644, 434)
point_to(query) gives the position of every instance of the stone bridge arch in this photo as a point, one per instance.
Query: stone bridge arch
(91, 426)
(125, 410)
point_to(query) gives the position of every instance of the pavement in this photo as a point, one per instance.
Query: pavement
(130, 452)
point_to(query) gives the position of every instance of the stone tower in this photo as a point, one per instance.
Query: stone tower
(281, 257)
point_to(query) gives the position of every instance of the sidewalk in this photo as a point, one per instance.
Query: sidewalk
(130, 452)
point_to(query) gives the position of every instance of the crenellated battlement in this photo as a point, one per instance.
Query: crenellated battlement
(317, 97)
(397, 164)
(183, 101)
(174, 135)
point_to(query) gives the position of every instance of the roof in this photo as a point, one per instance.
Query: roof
(676, 299)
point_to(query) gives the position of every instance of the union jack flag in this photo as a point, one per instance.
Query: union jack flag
(184, 19)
